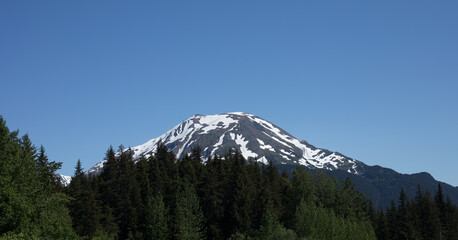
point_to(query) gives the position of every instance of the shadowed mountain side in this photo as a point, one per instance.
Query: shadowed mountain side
(383, 184)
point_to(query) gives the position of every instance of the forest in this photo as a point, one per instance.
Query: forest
(225, 197)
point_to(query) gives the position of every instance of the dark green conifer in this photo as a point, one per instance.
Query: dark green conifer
(240, 201)
(440, 205)
(427, 216)
(157, 219)
(188, 219)
(212, 199)
(84, 208)
(272, 229)
(47, 169)
(451, 219)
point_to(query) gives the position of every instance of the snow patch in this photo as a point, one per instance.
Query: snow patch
(212, 122)
(64, 180)
(232, 136)
(265, 146)
(263, 160)
(240, 140)
(287, 153)
(220, 141)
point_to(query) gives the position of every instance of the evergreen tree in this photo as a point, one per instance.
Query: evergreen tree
(256, 189)
(403, 224)
(30, 206)
(142, 168)
(157, 219)
(316, 222)
(440, 205)
(381, 226)
(451, 219)
(109, 180)
(272, 229)
(188, 171)
(240, 192)
(83, 205)
(410, 218)
(350, 203)
(107, 194)
(188, 219)
(212, 199)
(128, 196)
(392, 218)
(302, 189)
(273, 188)
(111, 167)
(47, 170)
(427, 216)
(167, 173)
(326, 189)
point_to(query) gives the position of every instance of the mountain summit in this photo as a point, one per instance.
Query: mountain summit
(253, 136)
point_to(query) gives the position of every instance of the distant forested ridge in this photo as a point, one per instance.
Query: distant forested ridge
(227, 197)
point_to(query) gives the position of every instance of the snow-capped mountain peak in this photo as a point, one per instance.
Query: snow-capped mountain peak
(64, 180)
(253, 136)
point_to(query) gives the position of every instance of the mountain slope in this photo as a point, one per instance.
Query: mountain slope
(254, 137)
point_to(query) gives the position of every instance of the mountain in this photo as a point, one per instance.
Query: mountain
(64, 180)
(263, 141)
(254, 137)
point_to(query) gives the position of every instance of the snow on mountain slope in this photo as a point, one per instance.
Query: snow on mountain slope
(254, 137)
(64, 180)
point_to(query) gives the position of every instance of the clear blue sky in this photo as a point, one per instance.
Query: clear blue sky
(374, 80)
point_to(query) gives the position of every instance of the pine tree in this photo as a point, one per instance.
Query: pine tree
(239, 204)
(108, 186)
(317, 222)
(381, 226)
(111, 167)
(451, 219)
(440, 205)
(167, 173)
(405, 226)
(188, 219)
(326, 189)
(302, 189)
(187, 168)
(47, 170)
(428, 216)
(255, 193)
(142, 181)
(392, 218)
(212, 199)
(157, 219)
(272, 229)
(128, 196)
(272, 183)
(305, 217)
(83, 207)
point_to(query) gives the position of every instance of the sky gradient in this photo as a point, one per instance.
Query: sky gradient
(374, 80)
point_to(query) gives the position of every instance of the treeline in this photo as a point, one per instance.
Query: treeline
(423, 217)
(32, 202)
(162, 198)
